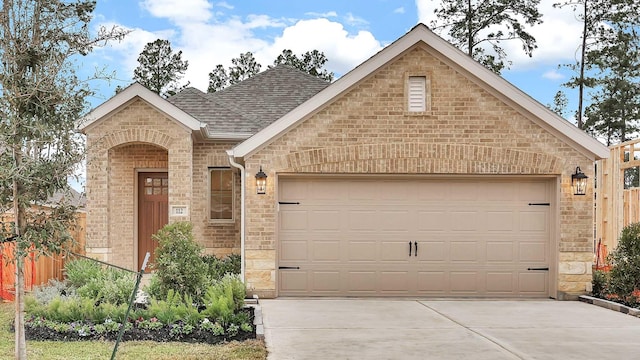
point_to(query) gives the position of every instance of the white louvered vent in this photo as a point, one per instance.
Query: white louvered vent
(417, 93)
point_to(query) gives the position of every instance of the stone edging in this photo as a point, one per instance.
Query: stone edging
(257, 316)
(610, 305)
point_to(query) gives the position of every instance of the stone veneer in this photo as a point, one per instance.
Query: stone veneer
(468, 130)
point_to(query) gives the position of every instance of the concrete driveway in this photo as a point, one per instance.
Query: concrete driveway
(446, 329)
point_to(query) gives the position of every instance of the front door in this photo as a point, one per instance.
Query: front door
(153, 211)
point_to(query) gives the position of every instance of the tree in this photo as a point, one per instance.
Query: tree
(311, 62)
(245, 66)
(598, 18)
(471, 23)
(560, 103)
(615, 111)
(161, 69)
(41, 99)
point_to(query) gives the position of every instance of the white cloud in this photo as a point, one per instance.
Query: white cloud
(224, 4)
(179, 11)
(355, 20)
(329, 14)
(206, 42)
(399, 10)
(557, 37)
(553, 75)
(344, 50)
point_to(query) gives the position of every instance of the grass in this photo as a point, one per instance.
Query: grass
(129, 350)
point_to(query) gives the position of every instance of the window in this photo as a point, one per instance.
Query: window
(416, 94)
(221, 194)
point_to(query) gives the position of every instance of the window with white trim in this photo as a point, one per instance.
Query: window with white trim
(417, 93)
(220, 193)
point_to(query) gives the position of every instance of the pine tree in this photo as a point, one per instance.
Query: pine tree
(472, 23)
(160, 69)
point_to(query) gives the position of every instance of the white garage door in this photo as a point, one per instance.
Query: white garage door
(406, 237)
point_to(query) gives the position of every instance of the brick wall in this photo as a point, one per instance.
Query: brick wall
(468, 130)
(136, 138)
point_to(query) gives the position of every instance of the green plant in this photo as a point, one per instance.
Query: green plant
(54, 288)
(219, 267)
(624, 276)
(178, 265)
(600, 284)
(80, 272)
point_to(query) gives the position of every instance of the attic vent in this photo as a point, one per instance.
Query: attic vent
(417, 88)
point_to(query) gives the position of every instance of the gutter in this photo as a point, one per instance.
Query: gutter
(242, 210)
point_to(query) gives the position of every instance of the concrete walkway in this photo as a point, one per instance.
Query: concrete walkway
(457, 329)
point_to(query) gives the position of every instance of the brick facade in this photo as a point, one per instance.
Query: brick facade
(469, 130)
(139, 138)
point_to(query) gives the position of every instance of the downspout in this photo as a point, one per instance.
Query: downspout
(242, 196)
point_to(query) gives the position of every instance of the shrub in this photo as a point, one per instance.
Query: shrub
(624, 276)
(224, 298)
(81, 271)
(100, 283)
(217, 268)
(53, 289)
(600, 283)
(178, 265)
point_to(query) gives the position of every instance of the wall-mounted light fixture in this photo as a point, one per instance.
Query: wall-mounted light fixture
(261, 182)
(579, 182)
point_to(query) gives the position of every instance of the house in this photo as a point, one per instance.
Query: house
(418, 173)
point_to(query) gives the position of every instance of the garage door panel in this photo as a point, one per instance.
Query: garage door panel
(394, 281)
(326, 281)
(434, 282)
(362, 281)
(362, 220)
(464, 221)
(534, 221)
(293, 220)
(474, 237)
(533, 282)
(293, 250)
(432, 251)
(500, 221)
(500, 282)
(463, 251)
(500, 252)
(398, 221)
(363, 251)
(324, 220)
(326, 250)
(394, 251)
(533, 252)
(464, 281)
(293, 281)
(431, 220)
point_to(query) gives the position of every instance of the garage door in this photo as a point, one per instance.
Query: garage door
(414, 237)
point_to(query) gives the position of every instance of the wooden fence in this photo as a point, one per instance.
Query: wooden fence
(39, 270)
(617, 193)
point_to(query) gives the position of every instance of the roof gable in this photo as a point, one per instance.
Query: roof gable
(126, 96)
(420, 34)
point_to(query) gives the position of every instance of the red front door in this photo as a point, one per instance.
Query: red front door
(153, 211)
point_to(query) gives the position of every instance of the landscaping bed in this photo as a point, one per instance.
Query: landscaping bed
(41, 329)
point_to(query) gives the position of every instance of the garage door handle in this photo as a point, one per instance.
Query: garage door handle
(540, 268)
(289, 267)
(409, 248)
(415, 253)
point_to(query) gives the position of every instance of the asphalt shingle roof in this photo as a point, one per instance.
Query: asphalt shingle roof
(251, 105)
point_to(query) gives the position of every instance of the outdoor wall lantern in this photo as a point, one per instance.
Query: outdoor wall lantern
(579, 182)
(261, 182)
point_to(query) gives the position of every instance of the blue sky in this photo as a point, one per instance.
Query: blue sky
(211, 32)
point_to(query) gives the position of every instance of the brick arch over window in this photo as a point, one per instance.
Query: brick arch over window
(419, 158)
